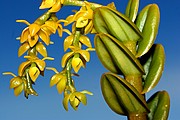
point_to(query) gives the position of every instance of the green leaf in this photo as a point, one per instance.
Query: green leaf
(116, 57)
(108, 20)
(154, 65)
(159, 105)
(132, 9)
(121, 96)
(148, 23)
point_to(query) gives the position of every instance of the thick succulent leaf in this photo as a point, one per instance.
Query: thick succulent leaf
(153, 63)
(148, 23)
(159, 105)
(132, 9)
(126, 96)
(108, 20)
(115, 56)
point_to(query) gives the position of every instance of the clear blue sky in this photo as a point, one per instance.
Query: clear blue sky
(48, 105)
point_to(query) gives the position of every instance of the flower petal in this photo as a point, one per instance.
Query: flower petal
(16, 81)
(76, 64)
(34, 73)
(68, 42)
(41, 49)
(44, 36)
(47, 4)
(23, 48)
(81, 22)
(81, 97)
(34, 28)
(41, 64)
(18, 89)
(55, 79)
(69, 19)
(85, 54)
(33, 40)
(65, 101)
(61, 85)
(22, 67)
(24, 35)
(56, 7)
(85, 40)
(65, 58)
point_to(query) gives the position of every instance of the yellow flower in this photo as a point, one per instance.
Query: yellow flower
(55, 5)
(75, 98)
(83, 39)
(60, 80)
(35, 65)
(52, 26)
(32, 33)
(79, 57)
(16, 83)
(83, 18)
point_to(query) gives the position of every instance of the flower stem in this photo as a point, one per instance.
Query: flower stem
(80, 3)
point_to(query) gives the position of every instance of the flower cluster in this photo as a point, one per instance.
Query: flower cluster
(36, 36)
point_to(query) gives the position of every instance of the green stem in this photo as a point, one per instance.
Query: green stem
(68, 71)
(135, 81)
(139, 116)
(80, 3)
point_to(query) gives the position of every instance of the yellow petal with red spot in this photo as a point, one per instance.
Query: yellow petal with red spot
(24, 35)
(41, 64)
(23, 48)
(68, 42)
(47, 4)
(61, 85)
(81, 22)
(65, 58)
(34, 73)
(18, 89)
(16, 81)
(85, 40)
(33, 40)
(22, 67)
(55, 79)
(76, 64)
(34, 28)
(41, 49)
(85, 54)
(44, 36)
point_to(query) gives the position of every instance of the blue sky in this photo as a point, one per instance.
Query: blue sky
(48, 105)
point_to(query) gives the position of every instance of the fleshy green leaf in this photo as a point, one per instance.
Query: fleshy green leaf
(154, 66)
(115, 56)
(132, 9)
(159, 105)
(148, 23)
(126, 97)
(108, 20)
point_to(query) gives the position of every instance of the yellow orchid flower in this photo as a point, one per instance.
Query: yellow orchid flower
(79, 57)
(59, 79)
(16, 83)
(75, 98)
(52, 26)
(83, 39)
(32, 33)
(40, 65)
(55, 5)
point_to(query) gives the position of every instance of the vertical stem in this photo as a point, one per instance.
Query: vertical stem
(136, 81)
(142, 116)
